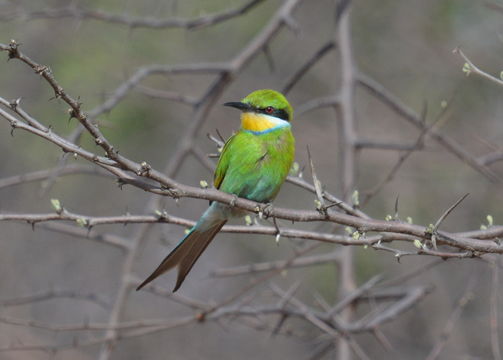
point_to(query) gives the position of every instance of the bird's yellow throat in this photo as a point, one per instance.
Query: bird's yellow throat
(260, 122)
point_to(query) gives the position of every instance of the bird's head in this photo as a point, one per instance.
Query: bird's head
(263, 110)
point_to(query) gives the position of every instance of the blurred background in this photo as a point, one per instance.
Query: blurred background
(406, 46)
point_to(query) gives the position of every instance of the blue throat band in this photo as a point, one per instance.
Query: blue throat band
(268, 130)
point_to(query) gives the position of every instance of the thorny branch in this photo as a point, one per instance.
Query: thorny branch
(131, 172)
(366, 230)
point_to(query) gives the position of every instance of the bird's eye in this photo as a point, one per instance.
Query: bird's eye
(269, 109)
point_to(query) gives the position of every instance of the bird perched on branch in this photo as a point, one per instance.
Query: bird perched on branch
(253, 165)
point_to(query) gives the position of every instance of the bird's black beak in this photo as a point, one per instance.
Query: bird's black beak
(239, 105)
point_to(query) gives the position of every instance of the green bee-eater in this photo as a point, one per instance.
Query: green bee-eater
(253, 165)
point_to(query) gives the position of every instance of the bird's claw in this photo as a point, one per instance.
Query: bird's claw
(265, 210)
(233, 201)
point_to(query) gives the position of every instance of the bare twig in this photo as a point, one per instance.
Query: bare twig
(54, 294)
(81, 13)
(74, 169)
(442, 218)
(260, 267)
(470, 67)
(317, 56)
(347, 137)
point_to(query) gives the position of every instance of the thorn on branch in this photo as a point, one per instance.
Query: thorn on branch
(32, 223)
(434, 230)
(319, 201)
(218, 142)
(14, 104)
(337, 203)
(120, 183)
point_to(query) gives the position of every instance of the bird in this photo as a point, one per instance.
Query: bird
(253, 164)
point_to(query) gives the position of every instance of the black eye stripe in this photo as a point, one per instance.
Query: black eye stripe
(282, 114)
(279, 113)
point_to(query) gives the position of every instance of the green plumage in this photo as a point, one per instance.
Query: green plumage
(253, 165)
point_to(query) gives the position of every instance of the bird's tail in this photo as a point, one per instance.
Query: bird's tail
(186, 253)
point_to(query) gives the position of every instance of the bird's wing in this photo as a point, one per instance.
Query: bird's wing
(243, 170)
(238, 159)
(223, 163)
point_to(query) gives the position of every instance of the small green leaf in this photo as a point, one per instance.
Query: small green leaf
(349, 230)
(418, 244)
(467, 69)
(203, 184)
(355, 197)
(81, 222)
(294, 170)
(490, 220)
(186, 231)
(356, 235)
(409, 220)
(483, 227)
(388, 217)
(158, 213)
(248, 220)
(56, 205)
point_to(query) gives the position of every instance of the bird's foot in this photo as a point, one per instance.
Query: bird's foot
(233, 201)
(265, 210)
